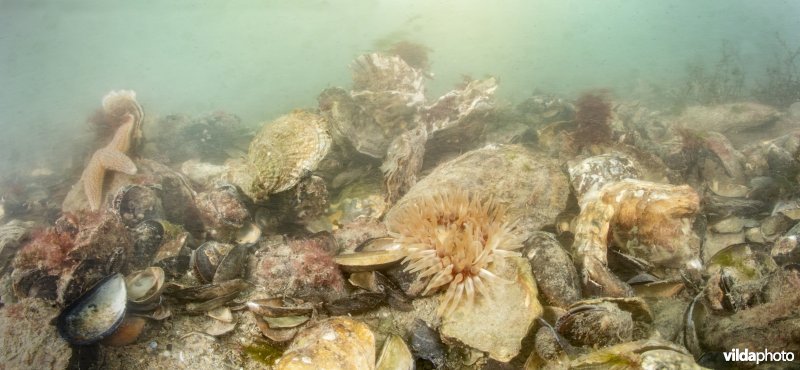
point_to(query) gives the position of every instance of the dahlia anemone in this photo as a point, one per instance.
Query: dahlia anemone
(453, 239)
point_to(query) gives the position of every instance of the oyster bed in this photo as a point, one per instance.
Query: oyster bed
(385, 229)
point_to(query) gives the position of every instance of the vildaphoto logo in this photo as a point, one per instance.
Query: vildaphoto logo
(757, 357)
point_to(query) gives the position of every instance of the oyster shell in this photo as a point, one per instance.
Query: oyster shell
(282, 153)
(530, 183)
(334, 343)
(218, 262)
(647, 220)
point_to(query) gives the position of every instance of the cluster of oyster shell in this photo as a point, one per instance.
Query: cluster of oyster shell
(660, 249)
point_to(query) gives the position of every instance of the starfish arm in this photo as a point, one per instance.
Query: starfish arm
(122, 137)
(92, 177)
(115, 161)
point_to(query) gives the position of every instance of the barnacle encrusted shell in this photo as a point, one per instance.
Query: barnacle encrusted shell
(282, 153)
(452, 239)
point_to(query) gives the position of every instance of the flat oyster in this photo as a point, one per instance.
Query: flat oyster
(281, 154)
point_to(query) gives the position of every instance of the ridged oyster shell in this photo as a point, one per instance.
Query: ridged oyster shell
(282, 153)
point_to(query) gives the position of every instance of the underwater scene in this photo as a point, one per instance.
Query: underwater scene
(386, 184)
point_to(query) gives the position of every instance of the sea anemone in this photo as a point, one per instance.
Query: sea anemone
(453, 239)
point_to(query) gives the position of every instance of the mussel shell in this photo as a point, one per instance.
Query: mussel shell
(136, 203)
(209, 291)
(369, 261)
(355, 304)
(426, 344)
(384, 243)
(145, 286)
(207, 258)
(276, 307)
(231, 266)
(96, 314)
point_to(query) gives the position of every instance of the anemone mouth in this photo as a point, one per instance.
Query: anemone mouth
(452, 240)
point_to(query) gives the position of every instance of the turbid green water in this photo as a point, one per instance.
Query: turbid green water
(259, 59)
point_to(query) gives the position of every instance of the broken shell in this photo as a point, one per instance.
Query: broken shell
(365, 280)
(789, 208)
(177, 242)
(144, 287)
(395, 355)
(369, 261)
(286, 322)
(249, 234)
(221, 314)
(211, 304)
(276, 307)
(96, 314)
(220, 328)
(208, 291)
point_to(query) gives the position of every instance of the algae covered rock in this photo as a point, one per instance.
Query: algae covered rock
(27, 341)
